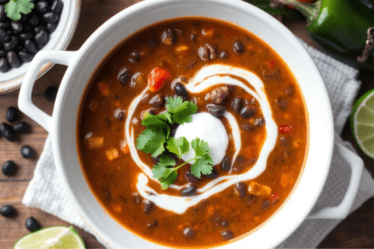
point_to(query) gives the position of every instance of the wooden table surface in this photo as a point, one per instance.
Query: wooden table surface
(357, 231)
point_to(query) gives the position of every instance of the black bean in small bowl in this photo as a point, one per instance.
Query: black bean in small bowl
(50, 25)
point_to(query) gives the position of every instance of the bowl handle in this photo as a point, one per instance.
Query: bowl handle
(357, 166)
(24, 100)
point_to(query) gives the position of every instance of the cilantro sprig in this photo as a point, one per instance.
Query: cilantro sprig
(14, 8)
(157, 135)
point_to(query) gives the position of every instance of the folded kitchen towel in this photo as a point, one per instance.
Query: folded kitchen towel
(46, 192)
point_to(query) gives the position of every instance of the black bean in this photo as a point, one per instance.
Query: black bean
(285, 141)
(251, 199)
(215, 110)
(181, 91)
(157, 101)
(224, 223)
(265, 204)
(290, 90)
(238, 47)
(247, 127)
(282, 103)
(2, 35)
(2, 53)
(50, 93)
(137, 199)
(27, 152)
(31, 47)
(168, 37)
(4, 25)
(3, 65)
(203, 53)
(241, 188)
(25, 57)
(41, 38)
(188, 191)
(51, 27)
(2, 13)
(41, 6)
(7, 211)
(148, 206)
(20, 127)
(57, 6)
(224, 54)
(50, 17)
(31, 224)
(34, 20)
(152, 224)
(191, 178)
(11, 44)
(39, 28)
(247, 111)
(119, 114)
(191, 64)
(27, 27)
(7, 132)
(259, 122)
(134, 57)
(124, 76)
(217, 95)
(227, 234)
(188, 232)
(226, 164)
(193, 36)
(152, 43)
(237, 104)
(173, 130)
(17, 27)
(213, 51)
(25, 36)
(9, 168)
(212, 175)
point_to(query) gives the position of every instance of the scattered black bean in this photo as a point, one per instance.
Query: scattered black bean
(226, 164)
(152, 43)
(11, 44)
(203, 53)
(217, 95)
(215, 110)
(181, 91)
(259, 122)
(212, 175)
(31, 47)
(157, 101)
(7, 210)
(3, 65)
(17, 27)
(188, 191)
(168, 37)
(39, 28)
(290, 90)
(247, 127)
(57, 6)
(238, 47)
(285, 141)
(13, 59)
(237, 104)
(224, 223)
(193, 36)
(27, 152)
(41, 6)
(7, 132)
(135, 57)
(191, 178)
(2, 13)
(241, 188)
(20, 127)
(25, 57)
(247, 111)
(227, 234)
(148, 206)
(11, 114)
(119, 114)
(25, 36)
(213, 51)
(224, 54)
(251, 199)
(9, 168)
(51, 27)
(152, 224)
(41, 38)
(34, 20)
(137, 199)
(50, 93)
(2, 53)
(282, 103)
(124, 76)
(4, 25)
(265, 204)
(191, 64)
(188, 232)
(31, 224)
(50, 17)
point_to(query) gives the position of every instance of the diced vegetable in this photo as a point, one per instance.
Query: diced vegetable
(103, 88)
(157, 78)
(111, 154)
(124, 147)
(274, 198)
(259, 189)
(285, 129)
(117, 208)
(181, 49)
(95, 142)
(207, 32)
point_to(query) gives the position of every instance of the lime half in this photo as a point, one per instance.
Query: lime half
(52, 237)
(362, 123)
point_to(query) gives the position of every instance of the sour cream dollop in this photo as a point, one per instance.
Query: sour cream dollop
(214, 134)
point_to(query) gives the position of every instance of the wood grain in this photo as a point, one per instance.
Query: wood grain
(357, 231)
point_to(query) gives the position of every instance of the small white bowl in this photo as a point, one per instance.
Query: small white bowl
(59, 40)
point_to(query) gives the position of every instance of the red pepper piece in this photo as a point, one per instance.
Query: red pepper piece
(157, 78)
(285, 129)
(274, 198)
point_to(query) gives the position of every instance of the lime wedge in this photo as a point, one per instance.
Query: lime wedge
(59, 237)
(362, 123)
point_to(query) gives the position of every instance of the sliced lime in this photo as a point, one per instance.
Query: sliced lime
(362, 123)
(51, 238)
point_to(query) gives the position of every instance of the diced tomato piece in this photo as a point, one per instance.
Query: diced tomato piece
(157, 78)
(285, 129)
(274, 198)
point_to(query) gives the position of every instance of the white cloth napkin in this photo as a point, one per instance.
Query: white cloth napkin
(46, 192)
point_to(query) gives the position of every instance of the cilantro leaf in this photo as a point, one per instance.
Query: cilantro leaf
(200, 147)
(202, 165)
(178, 146)
(14, 8)
(159, 121)
(169, 180)
(152, 140)
(181, 110)
(166, 116)
(160, 170)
